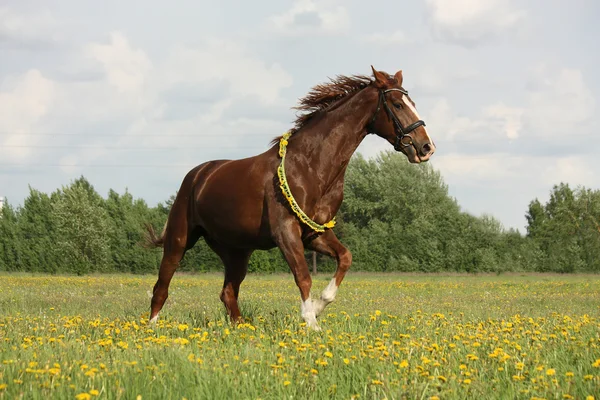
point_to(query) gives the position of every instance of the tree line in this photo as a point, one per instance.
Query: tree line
(395, 217)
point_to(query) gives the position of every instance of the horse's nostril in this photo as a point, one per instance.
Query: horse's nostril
(426, 149)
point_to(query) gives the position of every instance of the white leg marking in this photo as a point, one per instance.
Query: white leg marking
(308, 313)
(327, 296)
(330, 291)
(412, 108)
(153, 320)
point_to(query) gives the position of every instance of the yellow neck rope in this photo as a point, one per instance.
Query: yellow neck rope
(285, 189)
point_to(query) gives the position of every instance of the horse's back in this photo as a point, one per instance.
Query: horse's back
(227, 199)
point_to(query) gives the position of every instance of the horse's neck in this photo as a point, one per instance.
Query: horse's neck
(335, 138)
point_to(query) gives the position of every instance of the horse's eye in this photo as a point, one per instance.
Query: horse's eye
(397, 105)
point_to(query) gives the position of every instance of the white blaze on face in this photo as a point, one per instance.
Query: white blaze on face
(412, 108)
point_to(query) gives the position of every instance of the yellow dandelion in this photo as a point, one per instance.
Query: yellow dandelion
(328, 354)
(83, 396)
(550, 371)
(346, 361)
(403, 364)
(3, 386)
(519, 366)
(94, 392)
(596, 364)
(285, 383)
(467, 381)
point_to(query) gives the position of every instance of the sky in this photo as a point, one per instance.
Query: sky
(133, 94)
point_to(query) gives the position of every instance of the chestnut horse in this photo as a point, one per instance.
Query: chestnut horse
(237, 206)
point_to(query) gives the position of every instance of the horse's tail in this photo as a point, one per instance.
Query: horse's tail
(151, 240)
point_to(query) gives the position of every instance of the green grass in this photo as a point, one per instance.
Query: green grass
(386, 336)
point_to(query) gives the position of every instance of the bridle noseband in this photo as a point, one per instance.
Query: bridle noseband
(401, 131)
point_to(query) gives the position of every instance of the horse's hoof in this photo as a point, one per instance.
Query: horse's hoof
(315, 327)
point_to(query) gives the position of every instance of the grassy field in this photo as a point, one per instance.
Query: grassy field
(385, 336)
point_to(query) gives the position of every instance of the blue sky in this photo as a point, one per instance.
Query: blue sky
(133, 94)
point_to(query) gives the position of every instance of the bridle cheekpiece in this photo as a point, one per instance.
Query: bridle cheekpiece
(401, 131)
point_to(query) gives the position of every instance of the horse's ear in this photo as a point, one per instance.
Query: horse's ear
(381, 80)
(398, 77)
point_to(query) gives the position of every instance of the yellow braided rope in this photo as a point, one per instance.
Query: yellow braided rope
(285, 189)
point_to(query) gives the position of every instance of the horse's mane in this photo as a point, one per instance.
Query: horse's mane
(324, 95)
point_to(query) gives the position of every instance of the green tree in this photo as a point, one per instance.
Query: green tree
(399, 216)
(565, 229)
(10, 257)
(37, 229)
(83, 229)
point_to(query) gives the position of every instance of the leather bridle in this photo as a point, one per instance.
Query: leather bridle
(401, 131)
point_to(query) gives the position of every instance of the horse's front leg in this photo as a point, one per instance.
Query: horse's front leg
(292, 248)
(330, 245)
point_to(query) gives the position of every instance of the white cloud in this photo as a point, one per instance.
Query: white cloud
(469, 22)
(467, 169)
(431, 79)
(508, 118)
(572, 169)
(25, 100)
(559, 102)
(445, 124)
(126, 68)
(308, 17)
(515, 173)
(228, 62)
(17, 30)
(130, 98)
(396, 38)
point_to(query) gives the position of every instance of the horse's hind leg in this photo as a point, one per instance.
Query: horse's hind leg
(236, 267)
(177, 240)
(330, 245)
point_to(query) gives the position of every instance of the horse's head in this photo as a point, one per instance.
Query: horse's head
(396, 119)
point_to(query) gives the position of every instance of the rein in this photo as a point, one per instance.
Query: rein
(285, 189)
